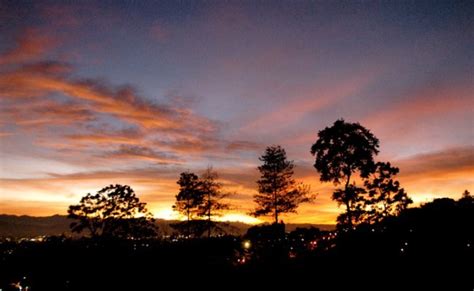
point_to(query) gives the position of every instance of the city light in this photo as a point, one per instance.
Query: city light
(247, 244)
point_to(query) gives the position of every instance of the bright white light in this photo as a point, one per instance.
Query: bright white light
(247, 244)
(166, 213)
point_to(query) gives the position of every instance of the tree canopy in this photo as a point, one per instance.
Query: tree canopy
(343, 150)
(278, 192)
(213, 195)
(190, 195)
(199, 198)
(385, 196)
(114, 211)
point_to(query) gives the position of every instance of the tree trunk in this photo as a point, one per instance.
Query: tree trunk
(276, 207)
(348, 206)
(209, 216)
(188, 226)
(349, 215)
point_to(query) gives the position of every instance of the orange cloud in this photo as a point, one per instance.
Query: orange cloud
(143, 153)
(36, 113)
(122, 103)
(43, 96)
(124, 137)
(31, 44)
(447, 161)
(243, 145)
(439, 174)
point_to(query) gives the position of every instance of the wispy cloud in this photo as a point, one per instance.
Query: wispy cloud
(444, 163)
(425, 102)
(98, 120)
(323, 94)
(143, 153)
(31, 44)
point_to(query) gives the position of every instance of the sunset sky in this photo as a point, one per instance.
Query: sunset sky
(135, 92)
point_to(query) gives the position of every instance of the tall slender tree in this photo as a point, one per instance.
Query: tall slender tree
(278, 192)
(189, 197)
(342, 151)
(212, 198)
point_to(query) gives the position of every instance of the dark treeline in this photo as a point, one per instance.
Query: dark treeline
(378, 237)
(423, 245)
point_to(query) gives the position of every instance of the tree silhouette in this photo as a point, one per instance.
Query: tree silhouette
(385, 197)
(115, 211)
(466, 199)
(351, 196)
(466, 194)
(278, 192)
(212, 198)
(190, 197)
(341, 151)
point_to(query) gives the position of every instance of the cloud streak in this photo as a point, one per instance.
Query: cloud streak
(45, 94)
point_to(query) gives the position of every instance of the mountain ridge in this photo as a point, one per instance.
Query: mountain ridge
(25, 226)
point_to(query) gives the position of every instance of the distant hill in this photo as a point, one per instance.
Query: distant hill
(30, 226)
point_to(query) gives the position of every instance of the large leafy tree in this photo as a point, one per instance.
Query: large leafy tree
(189, 199)
(343, 151)
(385, 196)
(278, 192)
(213, 195)
(114, 211)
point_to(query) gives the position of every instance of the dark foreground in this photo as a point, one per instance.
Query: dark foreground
(423, 249)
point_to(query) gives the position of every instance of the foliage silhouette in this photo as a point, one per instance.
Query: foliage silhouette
(212, 203)
(188, 200)
(467, 195)
(278, 192)
(438, 229)
(266, 232)
(341, 151)
(385, 196)
(199, 198)
(115, 211)
(268, 244)
(354, 197)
